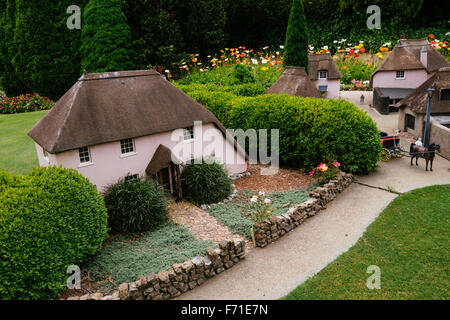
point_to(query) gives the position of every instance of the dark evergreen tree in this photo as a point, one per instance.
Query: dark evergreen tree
(296, 45)
(9, 82)
(106, 38)
(46, 56)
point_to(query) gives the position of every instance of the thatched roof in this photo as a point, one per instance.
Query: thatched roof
(323, 62)
(417, 100)
(406, 56)
(108, 107)
(295, 82)
(161, 159)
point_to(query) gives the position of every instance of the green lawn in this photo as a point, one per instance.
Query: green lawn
(127, 258)
(17, 150)
(410, 244)
(232, 214)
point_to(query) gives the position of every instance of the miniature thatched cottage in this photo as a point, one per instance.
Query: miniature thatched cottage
(413, 109)
(131, 124)
(295, 82)
(409, 65)
(325, 75)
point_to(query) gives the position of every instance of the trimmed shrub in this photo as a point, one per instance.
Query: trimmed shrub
(49, 220)
(135, 206)
(313, 130)
(242, 74)
(206, 182)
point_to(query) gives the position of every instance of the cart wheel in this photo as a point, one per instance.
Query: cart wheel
(385, 155)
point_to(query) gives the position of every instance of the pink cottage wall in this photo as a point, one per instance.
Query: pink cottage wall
(334, 87)
(108, 164)
(413, 79)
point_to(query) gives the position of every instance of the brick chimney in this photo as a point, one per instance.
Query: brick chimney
(424, 56)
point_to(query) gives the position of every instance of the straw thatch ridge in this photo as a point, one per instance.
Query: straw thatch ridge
(323, 62)
(295, 82)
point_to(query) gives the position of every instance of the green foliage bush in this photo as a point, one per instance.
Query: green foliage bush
(242, 74)
(49, 220)
(296, 45)
(206, 182)
(352, 69)
(313, 130)
(24, 103)
(135, 206)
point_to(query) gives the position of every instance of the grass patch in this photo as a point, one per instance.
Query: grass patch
(409, 242)
(17, 150)
(127, 258)
(233, 215)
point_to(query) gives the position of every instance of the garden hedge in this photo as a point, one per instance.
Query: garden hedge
(49, 220)
(206, 182)
(313, 130)
(135, 206)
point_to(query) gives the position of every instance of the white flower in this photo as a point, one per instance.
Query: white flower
(361, 42)
(264, 61)
(254, 61)
(335, 41)
(254, 199)
(267, 201)
(167, 70)
(325, 47)
(262, 193)
(282, 47)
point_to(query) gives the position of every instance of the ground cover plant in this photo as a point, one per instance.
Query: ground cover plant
(49, 220)
(17, 150)
(126, 258)
(408, 242)
(235, 216)
(24, 103)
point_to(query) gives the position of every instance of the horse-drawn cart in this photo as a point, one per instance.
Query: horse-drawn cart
(391, 147)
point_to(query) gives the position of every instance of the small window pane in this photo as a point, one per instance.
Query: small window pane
(127, 146)
(188, 133)
(400, 75)
(323, 74)
(131, 178)
(410, 121)
(445, 94)
(84, 155)
(323, 88)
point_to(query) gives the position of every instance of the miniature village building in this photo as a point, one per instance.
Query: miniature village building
(325, 75)
(409, 65)
(132, 124)
(413, 109)
(294, 82)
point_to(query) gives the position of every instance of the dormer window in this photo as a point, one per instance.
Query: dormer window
(188, 133)
(323, 75)
(127, 146)
(445, 94)
(400, 75)
(85, 155)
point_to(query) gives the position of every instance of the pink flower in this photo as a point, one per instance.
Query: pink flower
(267, 201)
(254, 199)
(322, 167)
(312, 173)
(336, 164)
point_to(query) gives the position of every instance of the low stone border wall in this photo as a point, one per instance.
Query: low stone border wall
(178, 279)
(275, 227)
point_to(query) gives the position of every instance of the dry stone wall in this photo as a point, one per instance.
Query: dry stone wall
(275, 227)
(178, 279)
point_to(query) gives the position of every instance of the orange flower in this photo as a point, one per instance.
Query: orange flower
(431, 36)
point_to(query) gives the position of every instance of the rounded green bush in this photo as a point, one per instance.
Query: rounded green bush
(49, 220)
(313, 130)
(135, 206)
(206, 182)
(242, 74)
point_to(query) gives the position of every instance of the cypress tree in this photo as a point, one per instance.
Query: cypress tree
(47, 55)
(9, 82)
(296, 45)
(106, 38)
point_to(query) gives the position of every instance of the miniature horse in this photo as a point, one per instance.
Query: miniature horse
(422, 152)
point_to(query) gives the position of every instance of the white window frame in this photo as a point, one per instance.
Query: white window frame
(399, 72)
(323, 72)
(125, 146)
(83, 162)
(188, 134)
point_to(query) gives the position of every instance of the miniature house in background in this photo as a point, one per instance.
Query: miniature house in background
(409, 65)
(295, 82)
(413, 109)
(127, 124)
(325, 75)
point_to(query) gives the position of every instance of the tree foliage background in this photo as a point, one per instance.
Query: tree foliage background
(38, 53)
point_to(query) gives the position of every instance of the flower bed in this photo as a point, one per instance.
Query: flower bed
(276, 226)
(178, 279)
(24, 103)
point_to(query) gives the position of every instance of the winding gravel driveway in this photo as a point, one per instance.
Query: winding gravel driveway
(274, 271)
